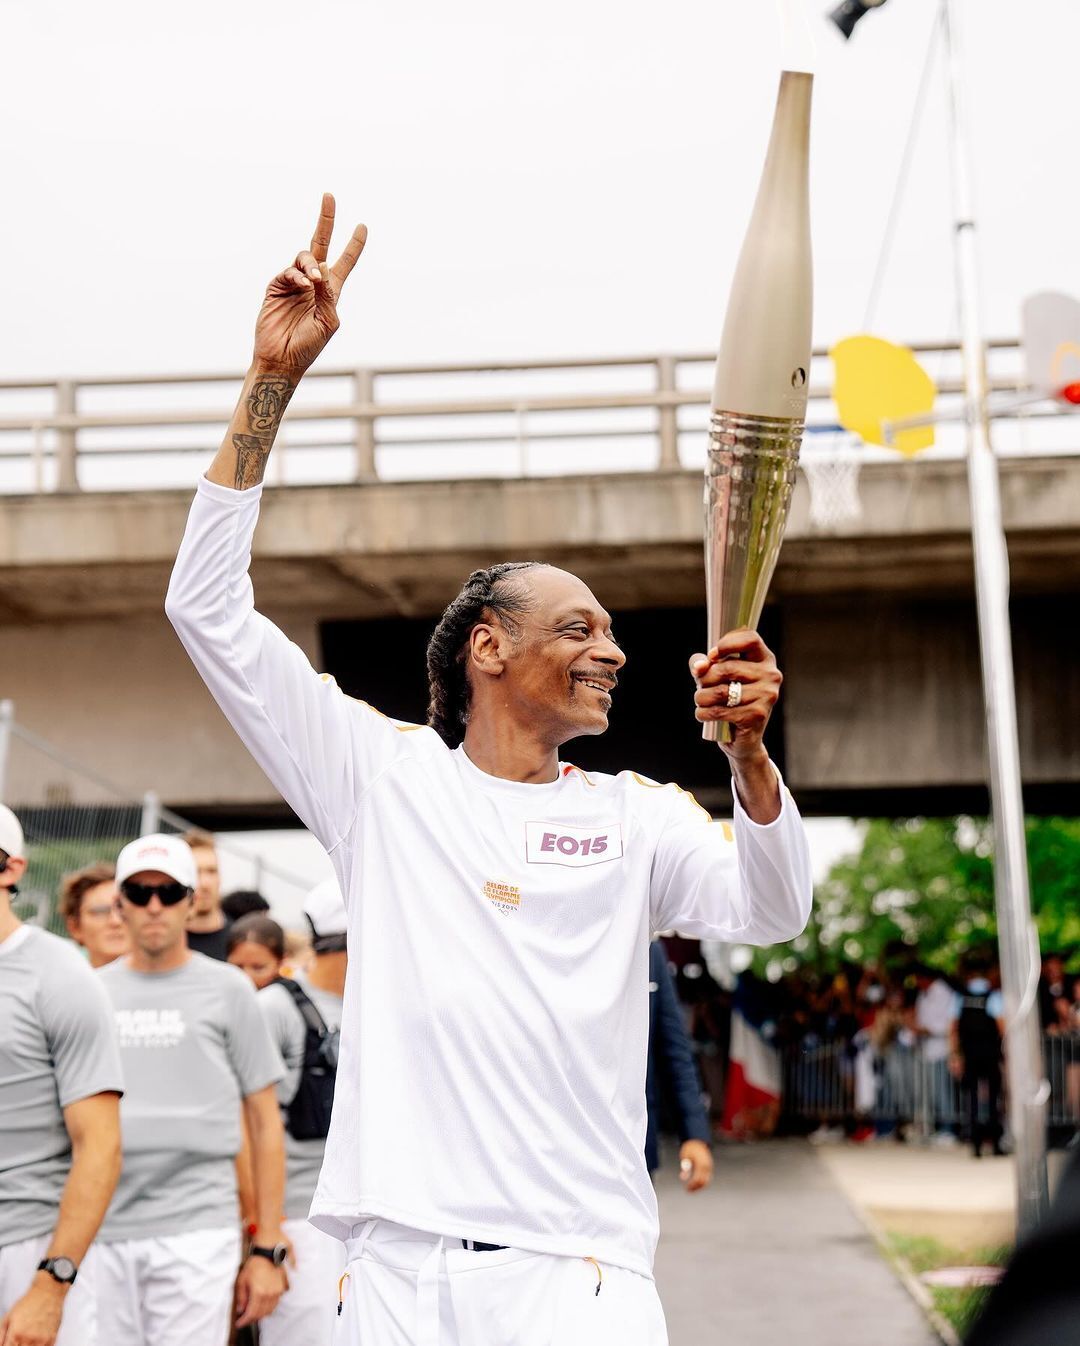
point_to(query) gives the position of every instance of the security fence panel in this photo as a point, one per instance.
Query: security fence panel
(62, 836)
(908, 1089)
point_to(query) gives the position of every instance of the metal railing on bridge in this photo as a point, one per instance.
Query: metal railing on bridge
(435, 421)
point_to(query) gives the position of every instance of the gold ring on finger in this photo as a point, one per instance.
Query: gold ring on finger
(734, 694)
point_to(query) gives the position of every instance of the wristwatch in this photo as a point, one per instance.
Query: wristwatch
(277, 1254)
(61, 1269)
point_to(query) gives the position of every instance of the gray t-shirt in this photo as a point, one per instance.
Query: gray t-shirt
(57, 1046)
(303, 1158)
(193, 1045)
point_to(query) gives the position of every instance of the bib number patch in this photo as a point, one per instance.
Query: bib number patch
(558, 844)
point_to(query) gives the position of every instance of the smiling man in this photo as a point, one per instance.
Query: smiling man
(485, 1159)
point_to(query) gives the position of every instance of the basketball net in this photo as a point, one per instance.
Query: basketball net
(831, 465)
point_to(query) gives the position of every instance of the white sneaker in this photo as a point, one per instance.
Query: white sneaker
(944, 1140)
(826, 1135)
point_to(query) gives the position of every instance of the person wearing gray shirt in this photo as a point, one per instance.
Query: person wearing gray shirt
(195, 1051)
(307, 1311)
(60, 1085)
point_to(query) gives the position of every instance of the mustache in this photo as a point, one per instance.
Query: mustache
(591, 675)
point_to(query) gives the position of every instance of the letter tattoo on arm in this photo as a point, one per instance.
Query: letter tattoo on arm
(251, 455)
(265, 406)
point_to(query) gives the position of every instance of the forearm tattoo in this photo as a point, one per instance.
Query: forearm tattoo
(265, 406)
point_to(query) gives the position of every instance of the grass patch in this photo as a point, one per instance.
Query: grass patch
(958, 1306)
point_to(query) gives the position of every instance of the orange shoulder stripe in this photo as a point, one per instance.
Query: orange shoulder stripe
(401, 728)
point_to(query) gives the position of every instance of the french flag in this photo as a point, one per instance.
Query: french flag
(753, 1081)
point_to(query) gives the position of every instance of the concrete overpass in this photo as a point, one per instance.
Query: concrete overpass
(874, 624)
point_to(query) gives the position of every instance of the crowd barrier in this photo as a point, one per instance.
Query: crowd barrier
(830, 1081)
(63, 836)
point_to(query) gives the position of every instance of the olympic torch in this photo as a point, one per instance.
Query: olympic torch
(762, 372)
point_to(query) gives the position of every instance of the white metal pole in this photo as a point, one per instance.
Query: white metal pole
(151, 813)
(1016, 933)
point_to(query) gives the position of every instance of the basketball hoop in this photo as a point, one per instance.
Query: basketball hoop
(1050, 336)
(831, 465)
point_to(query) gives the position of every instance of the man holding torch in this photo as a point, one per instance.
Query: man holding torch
(485, 1159)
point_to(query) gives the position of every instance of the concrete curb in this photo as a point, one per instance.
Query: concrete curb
(911, 1283)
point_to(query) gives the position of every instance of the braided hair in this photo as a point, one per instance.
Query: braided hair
(490, 593)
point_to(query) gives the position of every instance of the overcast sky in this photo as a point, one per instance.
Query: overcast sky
(563, 178)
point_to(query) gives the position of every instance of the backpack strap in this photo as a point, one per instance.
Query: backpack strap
(303, 1002)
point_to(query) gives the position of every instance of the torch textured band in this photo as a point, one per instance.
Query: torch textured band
(749, 480)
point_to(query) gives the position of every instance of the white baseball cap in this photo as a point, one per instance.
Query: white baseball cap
(11, 834)
(325, 909)
(167, 854)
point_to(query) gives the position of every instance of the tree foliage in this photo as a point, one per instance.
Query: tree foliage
(928, 883)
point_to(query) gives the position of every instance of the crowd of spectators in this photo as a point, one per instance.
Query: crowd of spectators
(175, 1109)
(227, 1078)
(890, 1050)
(155, 1170)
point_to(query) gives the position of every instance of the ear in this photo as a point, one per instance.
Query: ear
(488, 648)
(16, 867)
(72, 923)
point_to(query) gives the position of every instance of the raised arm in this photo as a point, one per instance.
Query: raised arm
(317, 746)
(298, 317)
(749, 884)
(742, 663)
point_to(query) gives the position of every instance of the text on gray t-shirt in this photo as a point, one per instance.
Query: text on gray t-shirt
(193, 1045)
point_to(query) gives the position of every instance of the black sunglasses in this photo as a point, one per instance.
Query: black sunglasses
(139, 894)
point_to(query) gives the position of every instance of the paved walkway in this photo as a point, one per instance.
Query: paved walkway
(773, 1252)
(944, 1194)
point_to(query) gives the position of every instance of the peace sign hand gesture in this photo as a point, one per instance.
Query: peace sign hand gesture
(299, 313)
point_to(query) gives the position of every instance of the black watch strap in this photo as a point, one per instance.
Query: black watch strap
(62, 1269)
(276, 1254)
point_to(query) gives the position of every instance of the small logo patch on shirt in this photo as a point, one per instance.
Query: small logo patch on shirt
(505, 897)
(559, 844)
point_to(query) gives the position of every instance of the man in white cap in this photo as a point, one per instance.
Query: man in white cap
(60, 1087)
(195, 1049)
(304, 1018)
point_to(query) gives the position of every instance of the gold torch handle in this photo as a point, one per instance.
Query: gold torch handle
(749, 482)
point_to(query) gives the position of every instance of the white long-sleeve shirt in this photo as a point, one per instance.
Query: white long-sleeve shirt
(491, 1083)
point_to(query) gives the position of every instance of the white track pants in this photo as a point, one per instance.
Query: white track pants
(172, 1291)
(307, 1311)
(407, 1288)
(18, 1262)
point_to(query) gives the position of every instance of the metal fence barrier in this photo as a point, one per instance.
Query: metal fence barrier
(841, 1081)
(62, 836)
